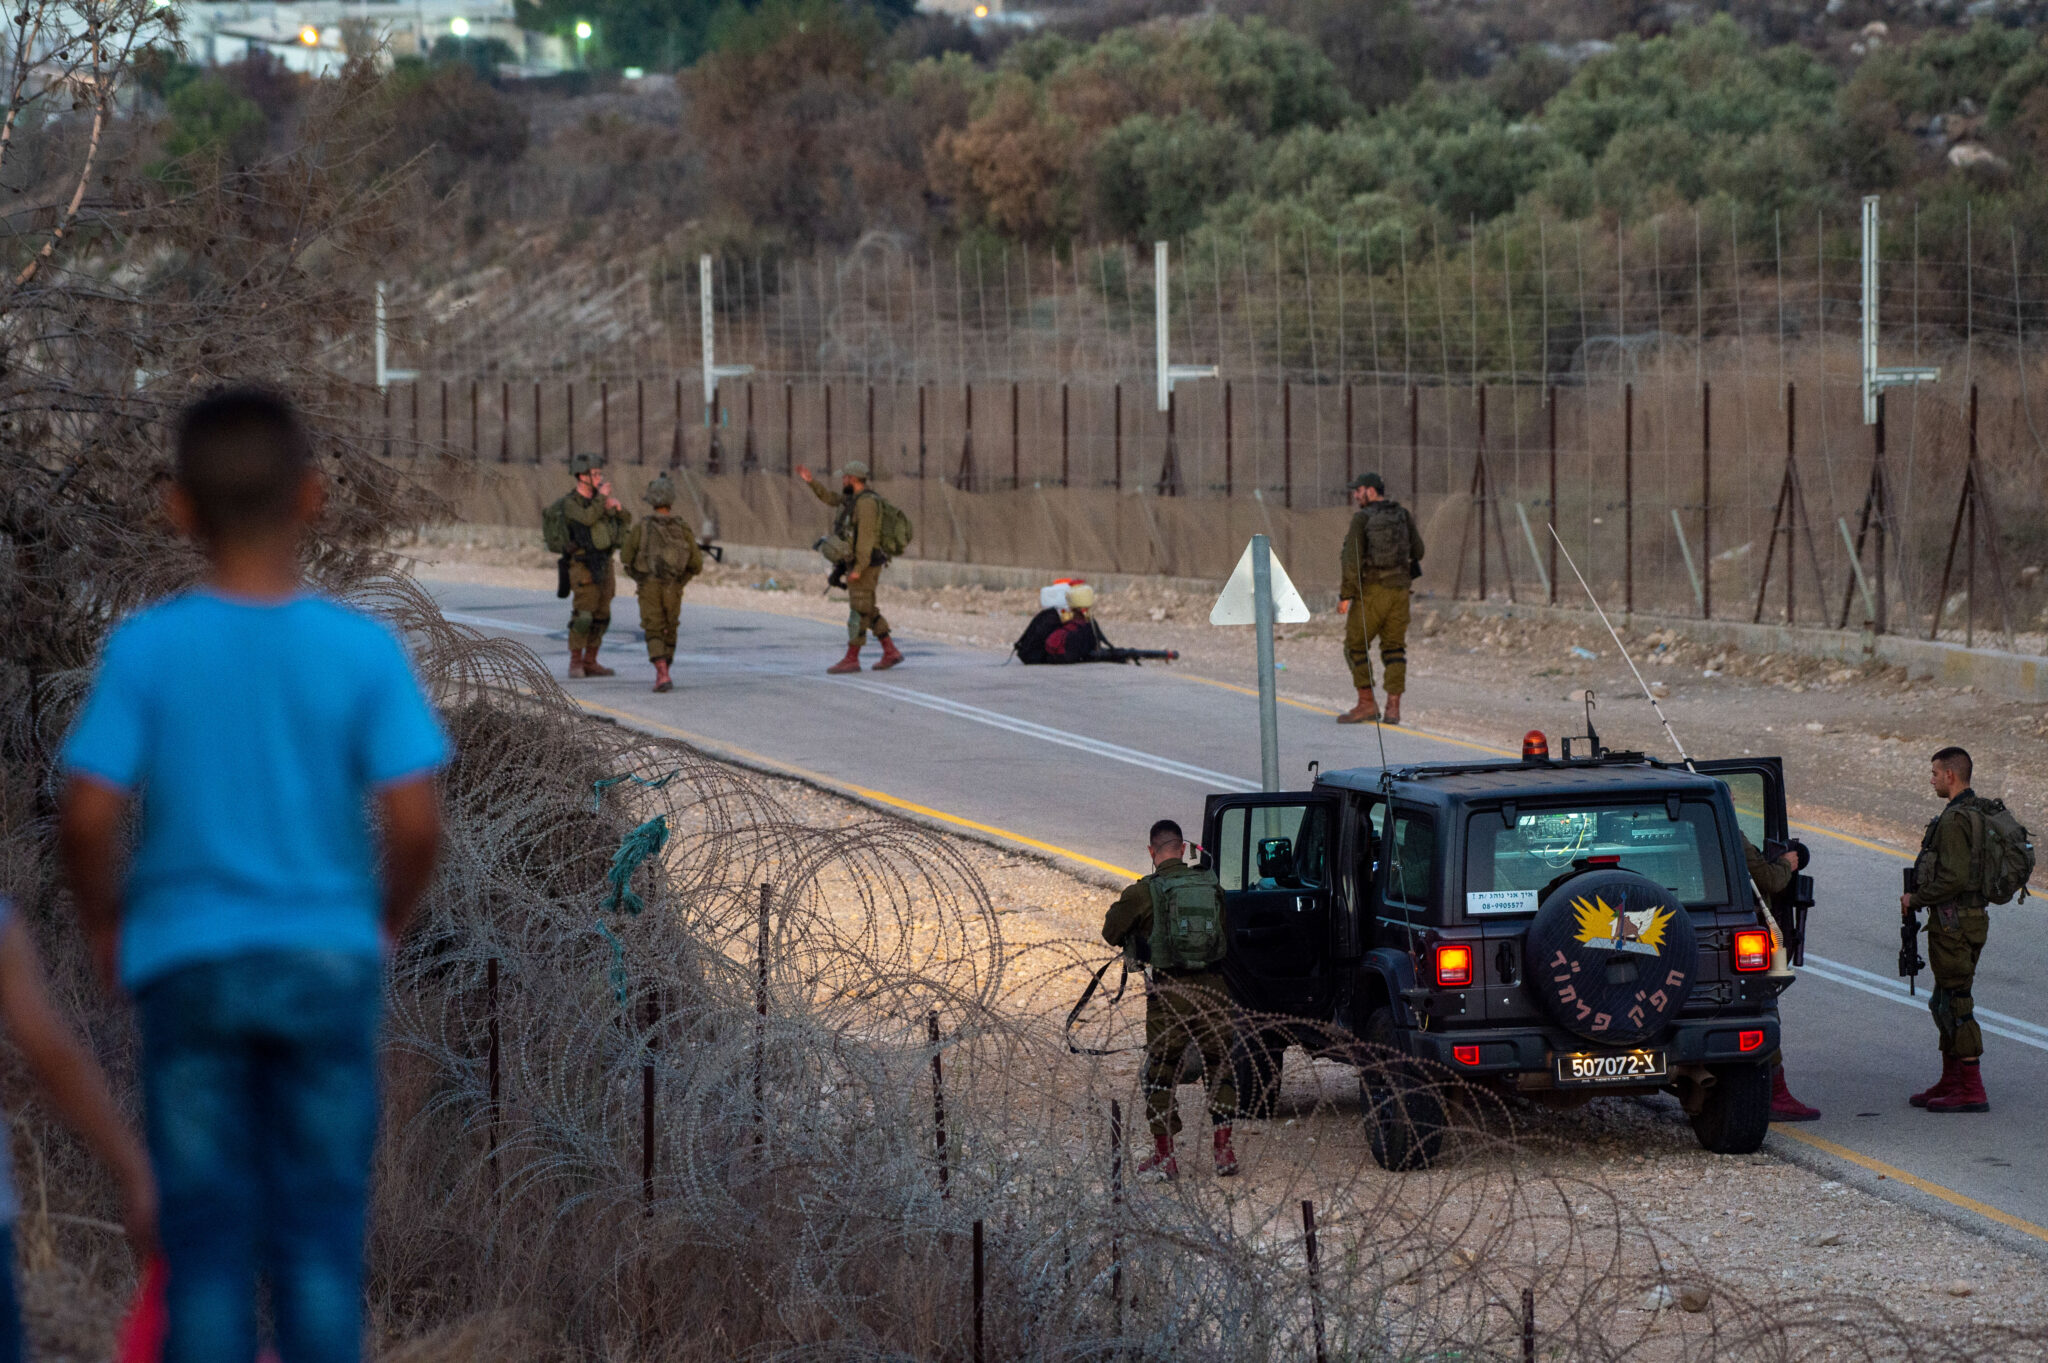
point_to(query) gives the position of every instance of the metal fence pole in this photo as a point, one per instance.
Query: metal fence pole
(938, 1102)
(1315, 1296)
(1628, 498)
(1552, 516)
(1706, 501)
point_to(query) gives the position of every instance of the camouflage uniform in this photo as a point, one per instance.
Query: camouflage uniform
(854, 542)
(1182, 1007)
(1379, 597)
(661, 555)
(594, 532)
(1957, 925)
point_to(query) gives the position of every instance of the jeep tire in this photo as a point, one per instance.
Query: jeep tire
(1403, 1111)
(1735, 1111)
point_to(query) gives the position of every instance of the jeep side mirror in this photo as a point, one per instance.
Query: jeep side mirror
(1276, 858)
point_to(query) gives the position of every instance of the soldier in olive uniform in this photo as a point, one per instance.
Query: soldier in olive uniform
(1180, 1007)
(597, 523)
(1773, 876)
(1957, 924)
(661, 555)
(1382, 558)
(855, 545)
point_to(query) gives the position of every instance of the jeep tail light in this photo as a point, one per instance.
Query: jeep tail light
(1750, 1041)
(1752, 949)
(1605, 859)
(1465, 1055)
(1453, 965)
(1535, 747)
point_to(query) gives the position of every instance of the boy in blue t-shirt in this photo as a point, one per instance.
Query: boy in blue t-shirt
(281, 761)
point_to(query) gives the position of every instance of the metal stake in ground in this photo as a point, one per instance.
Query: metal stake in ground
(491, 1127)
(1528, 1325)
(1116, 1202)
(980, 1354)
(1315, 1299)
(938, 1101)
(761, 1018)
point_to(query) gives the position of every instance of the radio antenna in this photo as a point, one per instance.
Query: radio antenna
(1612, 633)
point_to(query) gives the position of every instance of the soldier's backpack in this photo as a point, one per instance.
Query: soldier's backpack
(1030, 645)
(892, 529)
(554, 526)
(2002, 853)
(1187, 920)
(1386, 536)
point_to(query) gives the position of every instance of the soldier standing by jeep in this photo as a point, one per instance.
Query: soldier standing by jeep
(1172, 923)
(661, 555)
(1382, 558)
(1946, 884)
(855, 547)
(584, 526)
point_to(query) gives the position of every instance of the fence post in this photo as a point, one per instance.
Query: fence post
(980, 1353)
(828, 424)
(1628, 499)
(1347, 435)
(569, 389)
(938, 1102)
(874, 470)
(1116, 1201)
(1016, 435)
(920, 433)
(789, 428)
(444, 414)
(491, 1026)
(1528, 1325)
(1286, 444)
(1552, 517)
(505, 422)
(1415, 447)
(750, 454)
(1315, 1297)
(675, 444)
(640, 421)
(714, 453)
(1117, 429)
(647, 1108)
(1229, 444)
(1706, 501)
(1066, 465)
(1480, 490)
(475, 432)
(761, 1019)
(387, 422)
(604, 422)
(539, 455)
(414, 386)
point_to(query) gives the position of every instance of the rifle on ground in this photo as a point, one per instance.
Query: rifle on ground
(1133, 655)
(1911, 962)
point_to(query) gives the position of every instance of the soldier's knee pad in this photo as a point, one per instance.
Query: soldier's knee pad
(582, 622)
(1390, 656)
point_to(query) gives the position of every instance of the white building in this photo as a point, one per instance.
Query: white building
(316, 35)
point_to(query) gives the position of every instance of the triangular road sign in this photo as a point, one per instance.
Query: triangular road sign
(1234, 606)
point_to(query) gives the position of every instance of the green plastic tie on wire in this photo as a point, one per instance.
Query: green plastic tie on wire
(618, 970)
(640, 844)
(599, 787)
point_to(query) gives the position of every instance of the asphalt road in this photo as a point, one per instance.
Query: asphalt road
(1077, 762)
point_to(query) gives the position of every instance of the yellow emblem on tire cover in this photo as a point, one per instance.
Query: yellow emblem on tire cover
(1600, 925)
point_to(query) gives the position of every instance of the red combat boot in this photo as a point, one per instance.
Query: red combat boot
(1940, 1087)
(1160, 1165)
(891, 655)
(1226, 1158)
(850, 663)
(1784, 1107)
(1966, 1095)
(1364, 712)
(661, 681)
(1393, 707)
(592, 667)
(576, 664)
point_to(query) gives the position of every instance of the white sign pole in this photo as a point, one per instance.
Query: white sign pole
(383, 345)
(704, 310)
(1159, 319)
(1269, 706)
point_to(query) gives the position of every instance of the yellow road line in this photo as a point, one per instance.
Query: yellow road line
(1948, 1195)
(1053, 849)
(715, 747)
(1326, 710)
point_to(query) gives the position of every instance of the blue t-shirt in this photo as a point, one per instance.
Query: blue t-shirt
(253, 733)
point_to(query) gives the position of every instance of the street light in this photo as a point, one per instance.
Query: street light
(459, 26)
(310, 36)
(583, 30)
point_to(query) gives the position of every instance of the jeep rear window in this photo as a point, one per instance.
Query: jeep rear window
(1682, 854)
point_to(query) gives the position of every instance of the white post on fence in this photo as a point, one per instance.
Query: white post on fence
(713, 371)
(1875, 379)
(1168, 374)
(386, 375)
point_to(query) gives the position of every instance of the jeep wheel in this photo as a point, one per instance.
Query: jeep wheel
(1256, 1056)
(1735, 1111)
(1404, 1112)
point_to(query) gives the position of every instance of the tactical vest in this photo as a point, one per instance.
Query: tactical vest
(1187, 919)
(667, 550)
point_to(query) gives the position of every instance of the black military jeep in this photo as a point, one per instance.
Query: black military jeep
(1556, 928)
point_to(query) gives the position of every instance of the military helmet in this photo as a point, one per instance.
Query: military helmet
(661, 492)
(854, 468)
(1371, 480)
(1080, 596)
(580, 464)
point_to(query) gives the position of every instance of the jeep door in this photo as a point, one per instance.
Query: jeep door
(1756, 785)
(1276, 856)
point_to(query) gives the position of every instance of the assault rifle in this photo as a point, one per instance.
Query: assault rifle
(1132, 655)
(1911, 963)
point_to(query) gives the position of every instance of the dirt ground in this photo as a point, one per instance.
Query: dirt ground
(1855, 739)
(1855, 743)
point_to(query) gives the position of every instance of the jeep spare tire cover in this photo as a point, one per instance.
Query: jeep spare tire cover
(1611, 956)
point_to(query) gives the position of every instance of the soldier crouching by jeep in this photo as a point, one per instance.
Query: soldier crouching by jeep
(866, 534)
(1171, 922)
(1773, 873)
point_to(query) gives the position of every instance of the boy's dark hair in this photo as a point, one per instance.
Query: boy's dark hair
(1955, 760)
(1165, 833)
(242, 455)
